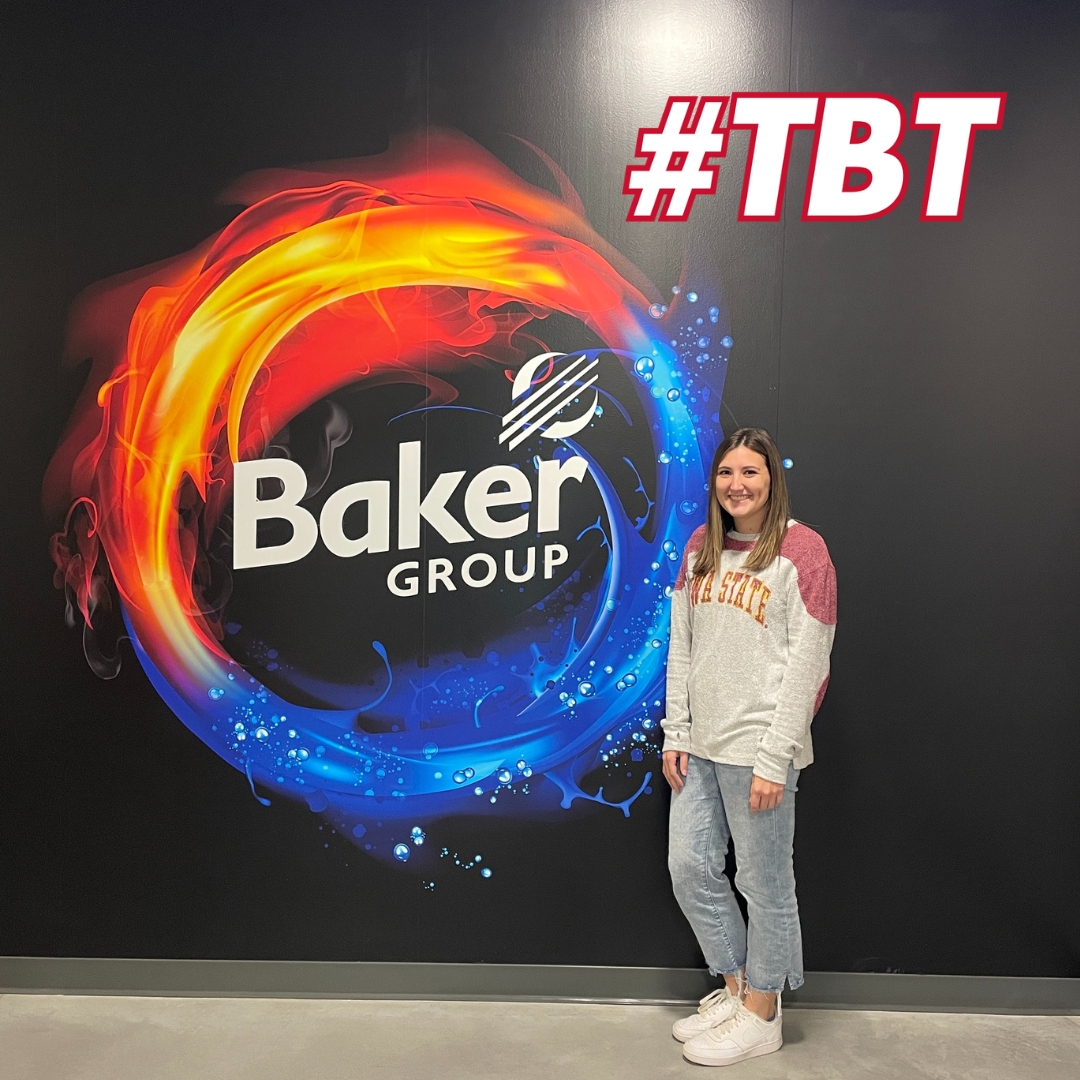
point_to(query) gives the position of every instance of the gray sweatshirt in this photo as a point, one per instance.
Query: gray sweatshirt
(749, 656)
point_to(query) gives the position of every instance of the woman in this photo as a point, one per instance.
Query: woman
(752, 620)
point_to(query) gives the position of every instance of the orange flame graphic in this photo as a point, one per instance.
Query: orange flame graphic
(390, 268)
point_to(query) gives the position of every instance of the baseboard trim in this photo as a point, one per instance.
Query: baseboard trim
(519, 982)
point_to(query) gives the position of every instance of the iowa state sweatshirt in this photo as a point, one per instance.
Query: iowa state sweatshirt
(749, 656)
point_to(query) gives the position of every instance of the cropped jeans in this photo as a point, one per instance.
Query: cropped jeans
(712, 809)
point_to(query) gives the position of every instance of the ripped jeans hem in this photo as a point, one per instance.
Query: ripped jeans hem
(793, 981)
(717, 972)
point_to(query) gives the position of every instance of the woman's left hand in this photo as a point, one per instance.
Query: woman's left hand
(764, 794)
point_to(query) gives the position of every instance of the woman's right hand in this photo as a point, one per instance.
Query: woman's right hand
(676, 763)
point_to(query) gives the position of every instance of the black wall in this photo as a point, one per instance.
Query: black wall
(923, 377)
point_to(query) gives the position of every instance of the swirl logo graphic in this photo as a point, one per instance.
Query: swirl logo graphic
(549, 399)
(342, 560)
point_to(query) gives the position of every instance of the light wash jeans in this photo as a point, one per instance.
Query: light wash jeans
(712, 809)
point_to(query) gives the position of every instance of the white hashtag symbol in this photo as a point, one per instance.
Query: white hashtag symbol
(677, 153)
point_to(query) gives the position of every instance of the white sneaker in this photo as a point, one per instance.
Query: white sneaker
(742, 1035)
(713, 1009)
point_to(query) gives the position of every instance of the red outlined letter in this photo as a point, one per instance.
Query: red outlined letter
(856, 132)
(678, 157)
(955, 118)
(771, 120)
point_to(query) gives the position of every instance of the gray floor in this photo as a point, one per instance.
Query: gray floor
(112, 1038)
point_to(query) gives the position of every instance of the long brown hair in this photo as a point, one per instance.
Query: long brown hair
(719, 521)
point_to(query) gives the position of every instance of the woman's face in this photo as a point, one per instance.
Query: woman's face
(742, 488)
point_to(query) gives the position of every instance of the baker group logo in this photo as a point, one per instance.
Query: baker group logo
(856, 171)
(544, 388)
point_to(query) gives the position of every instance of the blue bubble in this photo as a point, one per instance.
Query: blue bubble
(658, 311)
(586, 689)
(675, 290)
(215, 693)
(688, 507)
(629, 678)
(692, 297)
(302, 754)
(504, 776)
(668, 545)
(703, 342)
(470, 773)
(430, 750)
(262, 733)
(663, 457)
(621, 684)
(727, 341)
(673, 394)
(526, 771)
(358, 830)
(714, 313)
(402, 852)
(485, 873)
(787, 463)
(644, 365)
(521, 764)
(460, 777)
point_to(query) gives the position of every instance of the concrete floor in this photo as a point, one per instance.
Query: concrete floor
(113, 1038)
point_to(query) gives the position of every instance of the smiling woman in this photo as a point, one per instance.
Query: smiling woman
(742, 488)
(740, 697)
(751, 497)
